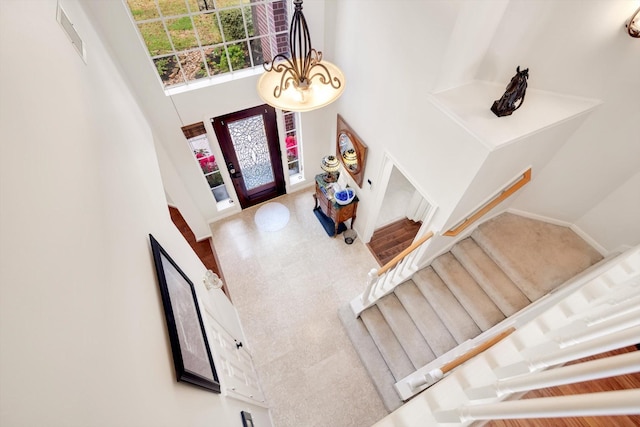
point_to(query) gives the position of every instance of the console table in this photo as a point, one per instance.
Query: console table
(332, 209)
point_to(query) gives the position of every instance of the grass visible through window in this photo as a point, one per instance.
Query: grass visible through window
(230, 34)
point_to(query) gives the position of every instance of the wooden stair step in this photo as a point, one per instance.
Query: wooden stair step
(425, 318)
(405, 331)
(453, 315)
(402, 224)
(472, 297)
(390, 240)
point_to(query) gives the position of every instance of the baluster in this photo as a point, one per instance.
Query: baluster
(580, 331)
(550, 354)
(595, 369)
(372, 279)
(610, 403)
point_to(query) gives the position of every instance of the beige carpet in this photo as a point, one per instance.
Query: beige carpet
(536, 255)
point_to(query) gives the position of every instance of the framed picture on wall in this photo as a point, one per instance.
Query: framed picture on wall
(191, 353)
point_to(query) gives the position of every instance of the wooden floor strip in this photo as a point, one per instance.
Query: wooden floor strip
(390, 240)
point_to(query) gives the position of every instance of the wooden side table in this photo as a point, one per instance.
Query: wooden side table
(332, 209)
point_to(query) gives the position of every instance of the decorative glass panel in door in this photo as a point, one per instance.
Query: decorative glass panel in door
(249, 140)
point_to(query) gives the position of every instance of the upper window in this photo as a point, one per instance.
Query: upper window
(192, 40)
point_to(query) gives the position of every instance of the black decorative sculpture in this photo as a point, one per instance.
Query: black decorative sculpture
(515, 92)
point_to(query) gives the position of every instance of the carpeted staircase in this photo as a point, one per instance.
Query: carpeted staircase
(507, 263)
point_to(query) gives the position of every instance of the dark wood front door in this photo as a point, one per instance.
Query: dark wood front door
(249, 143)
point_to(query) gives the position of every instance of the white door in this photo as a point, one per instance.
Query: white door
(234, 365)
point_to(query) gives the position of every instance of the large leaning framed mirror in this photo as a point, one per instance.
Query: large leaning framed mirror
(351, 151)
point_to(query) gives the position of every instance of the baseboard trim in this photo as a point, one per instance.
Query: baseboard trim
(538, 217)
(580, 232)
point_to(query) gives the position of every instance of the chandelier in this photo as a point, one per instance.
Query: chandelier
(303, 81)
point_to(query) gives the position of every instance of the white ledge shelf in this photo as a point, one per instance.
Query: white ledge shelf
(470, 106)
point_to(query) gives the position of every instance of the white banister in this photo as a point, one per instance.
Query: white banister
(594, 369)
(372, 279)
(383, 280)
(550, 354)
(620, 402)
(580, 331)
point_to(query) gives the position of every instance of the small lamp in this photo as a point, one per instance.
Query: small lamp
(633, 25)
(330, 165)
(350, 159)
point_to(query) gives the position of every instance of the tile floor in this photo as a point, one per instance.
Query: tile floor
(287, 286)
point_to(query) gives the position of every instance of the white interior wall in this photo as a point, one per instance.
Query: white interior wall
(83, 332)
(386, 100)
(397, 197)
(581, 49)
(620, 211)
(505, 164)
(114, 26)
(178, 195)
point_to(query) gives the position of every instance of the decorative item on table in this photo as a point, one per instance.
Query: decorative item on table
(330, 165)
(350, 159)
(346, 196)
(515, 92)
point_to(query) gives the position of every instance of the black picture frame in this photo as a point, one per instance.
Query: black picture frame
(191, 353)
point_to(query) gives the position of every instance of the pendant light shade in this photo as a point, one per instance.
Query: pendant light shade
(302, 81)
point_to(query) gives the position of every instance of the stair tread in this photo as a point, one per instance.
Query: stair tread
(371, 358)
(504, 293)
(391, 239)
(453, 315)
(387, 343)
(401, 224)
(425, 318)
(537, 256)
(467, 291)
(405, 331)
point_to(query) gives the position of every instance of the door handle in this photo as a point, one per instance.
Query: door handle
(232, 171)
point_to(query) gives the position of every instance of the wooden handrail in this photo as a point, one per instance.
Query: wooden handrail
(388, 266)
(526, 177)
(437, 374)
(477, 350)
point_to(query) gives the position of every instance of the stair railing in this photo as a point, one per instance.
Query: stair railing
(383, 280)
(510, 381)
(593, 313)
(494, 201)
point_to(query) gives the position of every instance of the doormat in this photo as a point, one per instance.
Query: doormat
(272, 217)
(327, 223)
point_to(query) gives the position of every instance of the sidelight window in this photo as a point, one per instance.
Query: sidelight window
(209, 166)
(293, 146)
